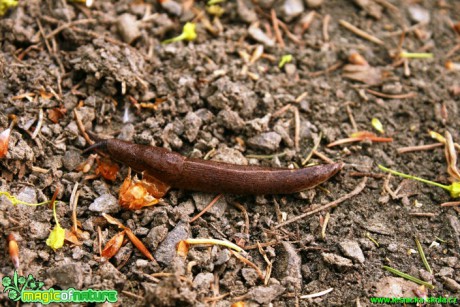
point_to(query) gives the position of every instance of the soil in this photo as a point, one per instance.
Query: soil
(219, 97)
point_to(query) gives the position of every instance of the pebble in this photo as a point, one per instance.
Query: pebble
(105, 203)
(230, 155)
(337, 260)
(167, 249)
(419, 14)
(172, 7)
(268, 141)
(258, 35)
(230, 120)
(351, 249)
(68, 275)
(38, 230)
(288, 265)
(202, 282)
(394, 287)
(290, 9)
(222, 257)
(128, 28)
(451, 284)
(71, 160)
(250, 276)
(313, 4)
(192, 125)
(155, 236)
(203, 199)
(446, 272)
(265, 295)
(246, 12)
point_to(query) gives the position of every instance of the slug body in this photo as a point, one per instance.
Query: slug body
(214, 177)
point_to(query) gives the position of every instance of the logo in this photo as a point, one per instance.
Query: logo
(28, 290)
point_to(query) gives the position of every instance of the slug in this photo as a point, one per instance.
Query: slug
(180, 172)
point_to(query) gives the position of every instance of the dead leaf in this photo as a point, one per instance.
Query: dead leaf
(113, 246)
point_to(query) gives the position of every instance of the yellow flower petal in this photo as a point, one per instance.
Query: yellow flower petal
(56, 238)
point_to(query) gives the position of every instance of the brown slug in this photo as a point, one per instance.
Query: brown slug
(180, 172)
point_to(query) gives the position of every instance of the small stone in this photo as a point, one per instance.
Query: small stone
(71, 160)
(202, 282)
(78, 253)
(313, 4)
(392, 88)
(419, 14)
(222, 257)
(230, 155)
(288, 266)
(351, 249)
(425, 275)
(203, 199)
(250, 276)
(258, 35)
(394, 287)
(106, 203)
(155, 236)
(142, 263)
(128, 28)
(265, 295)
(69, 275)
(38, 230)
(337, 260)
(246, 12)
(268, 141)
(446, 272)
(192, 124)
(290, 9)
(290, 69)
(451, 284)
(167, 249)
(172, 7)
(230, 120)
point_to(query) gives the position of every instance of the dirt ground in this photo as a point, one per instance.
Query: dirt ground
(224, 96)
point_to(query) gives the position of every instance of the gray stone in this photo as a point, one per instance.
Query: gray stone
(313, 4)
(394, 287)
(202, 282)
(222, 257)
(155, 236)
(258, 35)
(351, 249)
(230, 155)
(290, 9)
(203, 199)
(337, 260)
(106, 203)
(167, 249)
(68, 275)
(288, 266)
(265, 295)
(172, 7)
(250, 276)
(230, 120)
(268, 141)
(38, 230)
(451, 284)
(192, 124)
(419, 14)
(246, 12)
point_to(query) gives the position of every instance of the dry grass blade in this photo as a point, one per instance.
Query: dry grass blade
(113, 220)
(140, 246)
(332, 204)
